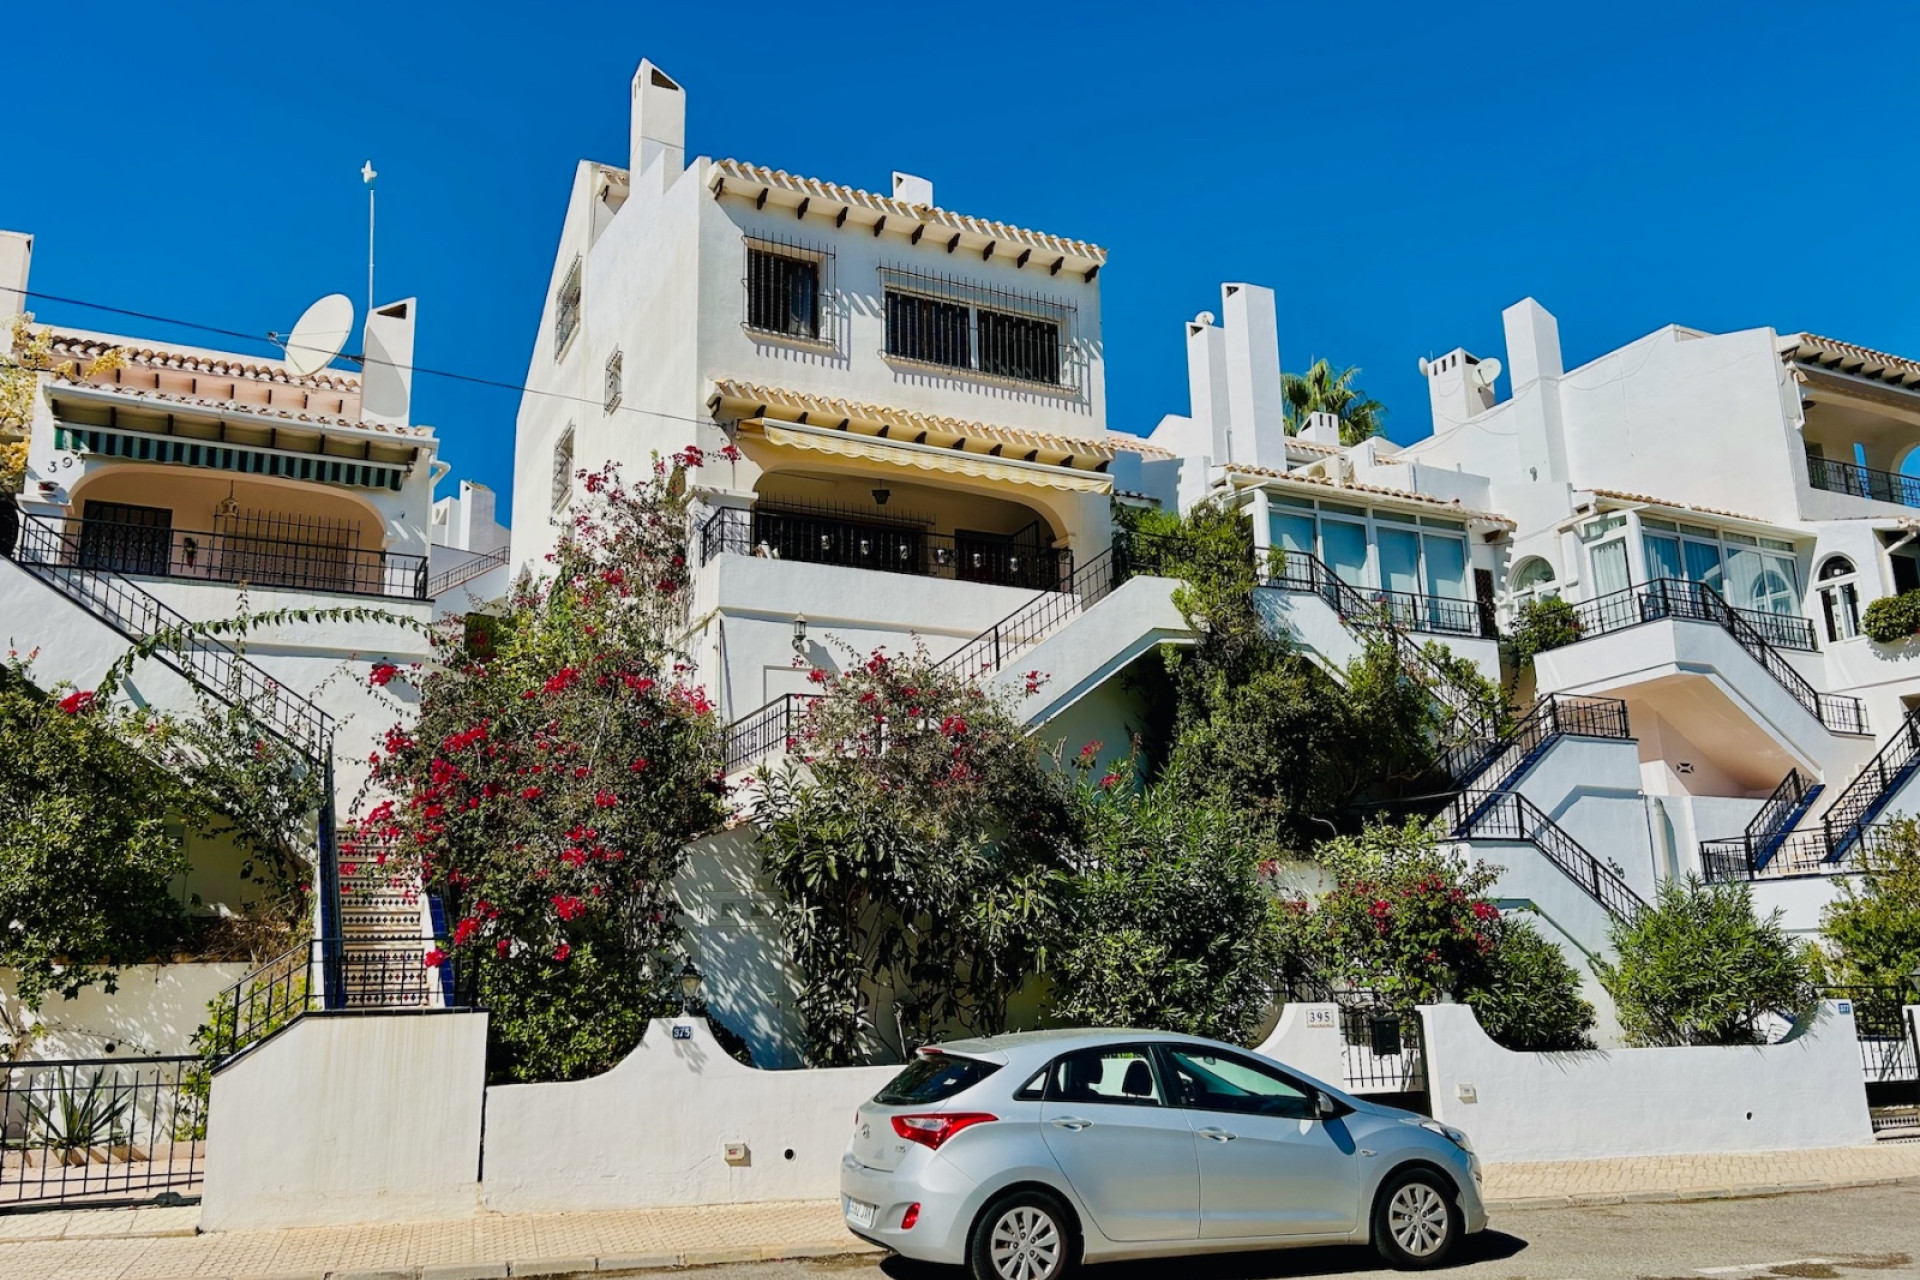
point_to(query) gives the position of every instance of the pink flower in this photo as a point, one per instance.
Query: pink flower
(78, 703)
(382, 674)
(434, 958)
(1109, 781)
(561, 952)
(817, 676)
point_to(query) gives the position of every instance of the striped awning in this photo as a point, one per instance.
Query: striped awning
(182, 451)
(902, 453)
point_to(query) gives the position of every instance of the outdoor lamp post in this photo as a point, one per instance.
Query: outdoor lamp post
(690, 980)
(800, 633)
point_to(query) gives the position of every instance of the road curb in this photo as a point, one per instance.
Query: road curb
(1680, 1195)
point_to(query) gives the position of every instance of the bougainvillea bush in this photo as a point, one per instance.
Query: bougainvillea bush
(1415, 925)
(921, 846)
(558, 765)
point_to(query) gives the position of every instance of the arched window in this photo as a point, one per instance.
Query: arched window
(1839, 598)
(1533, 580)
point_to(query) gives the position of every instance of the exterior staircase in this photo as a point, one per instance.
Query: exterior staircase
(1862, 801)
(1508, 815)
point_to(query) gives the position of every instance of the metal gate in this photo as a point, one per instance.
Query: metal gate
(101, 1131)
(1381, 1048)
(1889, 1056)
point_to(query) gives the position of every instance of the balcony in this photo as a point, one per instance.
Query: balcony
(159, 551)
(822, 536)
(1672, 598)
(1857, 481)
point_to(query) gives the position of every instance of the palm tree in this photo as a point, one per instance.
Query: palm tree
(1321, 390)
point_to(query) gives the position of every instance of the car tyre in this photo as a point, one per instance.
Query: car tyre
(1416, 1219)
(1025, 1235)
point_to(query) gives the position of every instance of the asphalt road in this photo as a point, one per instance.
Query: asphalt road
(1872, 1233)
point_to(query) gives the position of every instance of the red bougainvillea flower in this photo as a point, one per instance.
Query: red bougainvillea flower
(568, 907)
(78, 703)
(434, 958)
(1485, 911)
(530, 793)
(464, 931)
(382, 674)
(639, 766)
(816, 676)
(953, 726)
(561, 952)
(562, 680)
(606, 800)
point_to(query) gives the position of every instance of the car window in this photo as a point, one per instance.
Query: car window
(1121, 1075)
(933, 1077)
(1208, 1081)
(1034, 1089)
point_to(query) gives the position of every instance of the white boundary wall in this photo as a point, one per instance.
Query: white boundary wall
(349, 1118)
(1802, 1093)
(654, 1130)
(155, 1009)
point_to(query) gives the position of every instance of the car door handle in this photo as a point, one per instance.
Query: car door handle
(1073, 1123)
(1218, 1135)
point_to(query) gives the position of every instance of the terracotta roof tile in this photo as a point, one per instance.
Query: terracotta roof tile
(740, 170)
(269, 416)
(1621, 495)
(82, 347)
(807, 402)
(1403, 495)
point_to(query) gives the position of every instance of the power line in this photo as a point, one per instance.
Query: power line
(475, 379)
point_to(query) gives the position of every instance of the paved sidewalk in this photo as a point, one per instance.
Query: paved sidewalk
(160, 1244)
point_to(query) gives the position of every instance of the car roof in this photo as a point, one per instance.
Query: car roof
(1005, 1048)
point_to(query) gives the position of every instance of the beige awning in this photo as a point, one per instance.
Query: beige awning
(955, 462)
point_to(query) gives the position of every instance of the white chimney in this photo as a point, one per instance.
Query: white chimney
(1456, 388)
(476, 517)
(657, 133)
(1253, 375)
(1533, 343)
(910, 189)
(1321, 427)
(1207, 399)
(16, 260)
(386, 377)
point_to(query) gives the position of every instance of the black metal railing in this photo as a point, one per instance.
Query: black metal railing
(212, 665)
(1302, 571)
(1494, 764)
(331, 974)
(812, 537)
(460, 575)
(201, 556)
(1507, 815)
(1873, 787)
(1794, 854)
(1836, 476)
(762, 732)
(1762, 635)
(101, 1131)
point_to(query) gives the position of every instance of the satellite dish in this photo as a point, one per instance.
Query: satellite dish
(1486, 371)
(320, 334)
(1423, 366)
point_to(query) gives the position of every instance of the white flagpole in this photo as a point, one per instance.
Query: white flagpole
(367, 175)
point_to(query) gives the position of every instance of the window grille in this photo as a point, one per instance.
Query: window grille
(789, 290)
(566, 310)
(994, 333)
(613, 382)
(563, 468)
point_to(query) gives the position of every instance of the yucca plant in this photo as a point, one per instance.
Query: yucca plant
(75, 1117)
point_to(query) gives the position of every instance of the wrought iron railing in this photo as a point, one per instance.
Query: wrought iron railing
(761, 732)
(824, 538)
(212, 665)
(1508, 815)
(1382, 1048)
(1762, 635)
(1861, 801)
(1494, 764)
(1302, 571)
(197, 555)
(460, 575)
(101, 1131)
(1794, 854)
(1836, 476)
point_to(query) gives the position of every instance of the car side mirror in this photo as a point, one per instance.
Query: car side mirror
(1327, 1107)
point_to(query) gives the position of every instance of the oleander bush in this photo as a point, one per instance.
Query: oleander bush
(1891, 619)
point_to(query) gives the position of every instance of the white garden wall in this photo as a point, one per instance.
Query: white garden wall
(349, 1118)
(1308, 1040)
(1802, 1093)
(153, 1011)
(655, 1129)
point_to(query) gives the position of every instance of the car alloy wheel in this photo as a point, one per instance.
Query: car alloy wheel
(1026, 1244)
(1418, 1219)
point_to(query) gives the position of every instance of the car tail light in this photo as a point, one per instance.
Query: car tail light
(911, 1216)
(932, 1131)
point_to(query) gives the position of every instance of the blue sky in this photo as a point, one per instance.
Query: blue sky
(1398, 172)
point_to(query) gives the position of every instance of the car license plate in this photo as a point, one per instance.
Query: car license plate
(859, 1212)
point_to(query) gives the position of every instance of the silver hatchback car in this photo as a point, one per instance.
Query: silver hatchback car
(1020, 1156)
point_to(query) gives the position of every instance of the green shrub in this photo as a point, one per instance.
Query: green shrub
(1891, 619)
(1872, 929)
(1542, 624)
(1699, 968)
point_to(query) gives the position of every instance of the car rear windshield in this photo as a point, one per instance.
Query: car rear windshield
(933, 1077)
